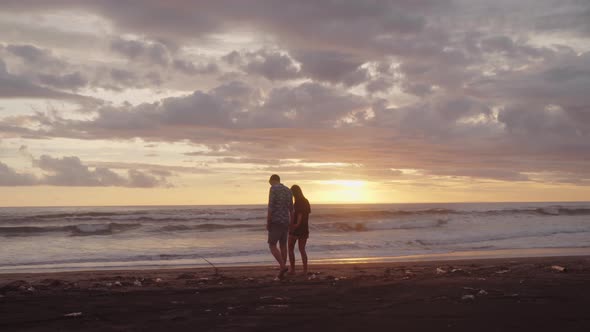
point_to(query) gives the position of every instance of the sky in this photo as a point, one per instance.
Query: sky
(108, 102)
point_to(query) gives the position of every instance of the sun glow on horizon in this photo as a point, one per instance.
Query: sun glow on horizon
(346, 183)
(344, 191)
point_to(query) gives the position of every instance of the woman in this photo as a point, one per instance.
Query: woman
(299, 229)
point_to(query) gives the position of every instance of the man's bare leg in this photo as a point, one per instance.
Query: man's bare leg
(292, 241)
(302, 243)
(277, 255)
(284, 253)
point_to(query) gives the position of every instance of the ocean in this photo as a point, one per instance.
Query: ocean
(37, 239)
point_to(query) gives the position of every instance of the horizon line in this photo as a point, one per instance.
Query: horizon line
(323, 203)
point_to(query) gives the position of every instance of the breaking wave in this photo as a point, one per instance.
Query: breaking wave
(75, 230)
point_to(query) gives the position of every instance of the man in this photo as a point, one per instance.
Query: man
(280, 214)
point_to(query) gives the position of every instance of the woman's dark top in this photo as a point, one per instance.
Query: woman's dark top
(302, 208)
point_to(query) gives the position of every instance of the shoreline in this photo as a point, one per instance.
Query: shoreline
(415, 258)
(494, 294)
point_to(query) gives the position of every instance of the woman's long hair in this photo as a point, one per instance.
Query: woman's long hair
(297, 193)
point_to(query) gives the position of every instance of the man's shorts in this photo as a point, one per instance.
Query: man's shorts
(278, 233)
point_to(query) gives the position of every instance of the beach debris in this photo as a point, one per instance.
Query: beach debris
(467, 298)
(469, 288)
(558, 268)
(207, 310)
(220, 283)
(482, 292)
(460, 271)
(502, 271)
(249, 279)
(313, 275)
(137, 283)
(109, 284)
(31, 289)
(177, 302)
(265, 297)
(440, 271)
(197, 293)
(203, 279)
(73, 314)
(158, 280)
(408, 272)
(118, 284)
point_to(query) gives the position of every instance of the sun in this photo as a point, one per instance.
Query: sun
(344, 191)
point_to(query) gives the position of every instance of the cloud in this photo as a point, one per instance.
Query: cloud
(272, 65)
(190, 68)
(10, 177)
(308, 105)
(484, 173)
(31, 54)
(233, 105)
(575, 15)
(332, 66)
(491, 90)
(73, 81)
(13, 86)
(70, 171)
(153, 52)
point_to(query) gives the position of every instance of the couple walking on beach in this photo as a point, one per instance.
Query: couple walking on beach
(287, 222)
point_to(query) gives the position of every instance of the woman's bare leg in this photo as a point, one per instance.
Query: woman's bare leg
(292, 241)
(302, 243)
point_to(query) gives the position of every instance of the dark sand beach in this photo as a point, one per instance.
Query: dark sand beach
(516, 294)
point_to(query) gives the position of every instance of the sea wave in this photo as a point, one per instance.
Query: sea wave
(372, 226)
(375, 214)
(321, 213)
(498, 237)
(206, 227)
(73, 230)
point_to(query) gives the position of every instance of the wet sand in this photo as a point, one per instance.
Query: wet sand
(516, 294)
